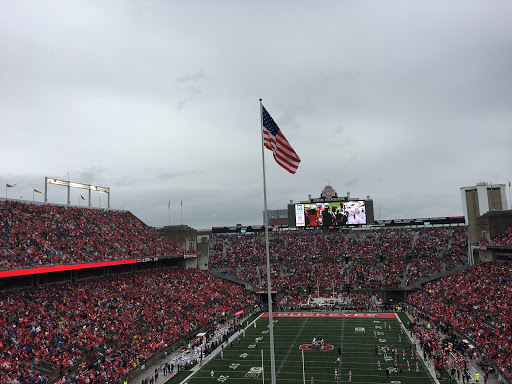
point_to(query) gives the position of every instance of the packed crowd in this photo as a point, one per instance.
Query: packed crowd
(436, 250)
(385, 258)
(35, 235)
(505, 239)
(478, 302)
(292, 301)
(98, 330)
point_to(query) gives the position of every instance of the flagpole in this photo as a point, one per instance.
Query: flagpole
(262, 369)
(267, 247)
(169, 209)
(303, 370)
(32, 196)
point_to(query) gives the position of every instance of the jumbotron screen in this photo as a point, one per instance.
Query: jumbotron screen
(332, 213)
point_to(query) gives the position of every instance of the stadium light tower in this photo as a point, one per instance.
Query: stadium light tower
(72, 184)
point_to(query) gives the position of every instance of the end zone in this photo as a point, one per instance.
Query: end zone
(332, 314)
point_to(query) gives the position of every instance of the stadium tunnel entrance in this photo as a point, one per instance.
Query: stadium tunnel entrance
(262, 295)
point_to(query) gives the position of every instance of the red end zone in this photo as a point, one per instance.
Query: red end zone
(331, 314)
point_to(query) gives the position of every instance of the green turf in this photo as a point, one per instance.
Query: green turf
(242, 360)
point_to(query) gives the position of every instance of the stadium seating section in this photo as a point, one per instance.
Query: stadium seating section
(97, 330)
(102, 328)
(503, 240)
(387, 258)
(33, 235)
(476, 301)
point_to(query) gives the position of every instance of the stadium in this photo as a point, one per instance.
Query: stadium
(372, 136)
(96, 296)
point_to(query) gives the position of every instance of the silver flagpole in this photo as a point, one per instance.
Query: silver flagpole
(270, 322)
(262, 368)
(303, 370)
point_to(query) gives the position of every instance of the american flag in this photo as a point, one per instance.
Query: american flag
(274, 140)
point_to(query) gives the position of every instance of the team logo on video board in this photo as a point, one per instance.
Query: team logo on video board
(328, 192)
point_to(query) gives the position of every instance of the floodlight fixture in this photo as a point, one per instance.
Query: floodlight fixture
(73, 184)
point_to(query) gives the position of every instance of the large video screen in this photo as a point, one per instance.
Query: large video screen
(328, 214)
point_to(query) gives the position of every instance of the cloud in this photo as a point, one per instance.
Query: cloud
(173, 175)
(192, 93)
(159, 101)
(191, 77)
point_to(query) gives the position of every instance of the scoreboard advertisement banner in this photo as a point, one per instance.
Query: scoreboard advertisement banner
(300, 218)
(330, 214)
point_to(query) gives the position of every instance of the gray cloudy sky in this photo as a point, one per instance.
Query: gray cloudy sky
(406, 101)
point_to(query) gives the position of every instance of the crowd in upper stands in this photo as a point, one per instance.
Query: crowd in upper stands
(505, 239)
(102, 328)
(367, 259)
(478, 302)
(35, 235)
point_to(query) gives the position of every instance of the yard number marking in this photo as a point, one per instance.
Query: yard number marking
(254, 372)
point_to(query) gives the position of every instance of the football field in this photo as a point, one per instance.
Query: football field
(356, 334)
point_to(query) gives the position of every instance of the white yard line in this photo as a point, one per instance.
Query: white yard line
(290, 349)
(341, 340)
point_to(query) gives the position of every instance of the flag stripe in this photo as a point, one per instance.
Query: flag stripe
(286, 160)
(289, 166)
(284, 147)
(285, 164)
(289, 161)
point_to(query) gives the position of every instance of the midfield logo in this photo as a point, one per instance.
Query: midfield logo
(310, 347)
